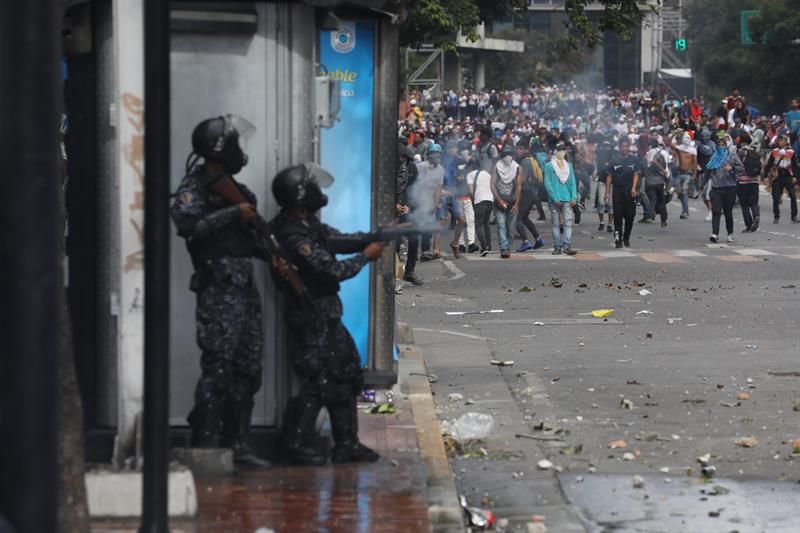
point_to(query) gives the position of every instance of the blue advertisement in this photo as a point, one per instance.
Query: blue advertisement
(348, 55)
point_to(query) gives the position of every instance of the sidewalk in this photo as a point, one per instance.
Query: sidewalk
(397, 494)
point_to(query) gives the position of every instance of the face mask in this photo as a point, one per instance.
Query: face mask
(561, 154)
(686, 139)
(235, 161)
(507, 159)
(435, 160)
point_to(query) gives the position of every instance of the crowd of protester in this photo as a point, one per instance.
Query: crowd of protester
(473, 159)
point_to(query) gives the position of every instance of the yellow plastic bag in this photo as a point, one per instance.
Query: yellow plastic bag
(602, 313)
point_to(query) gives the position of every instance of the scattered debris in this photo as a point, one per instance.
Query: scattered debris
(796, 408)
(479, 518)
(538, 437)
(715, 514)
(638, 482)
(626, 403)
(537, 527)
(470, 426)
(461, 313)
(716, 490)
(796, 446)
(694, 401)
(525, 289)
(730, 404)
(708, 470)
(617, 444)
(522, 374)
(747, 442)
(497, 362)
(571, 450)
(743, 396)
(644, 312)
(544, 464)
(538, 323)
(644, 292)
(788, 286)
(751, 346)
(628, 456)
(602, 313)
(674, 320)
(632, 382)
(455, 397)
(383, 409)
(649, 335)
(792, 374)
(664, 470)
(704, 459)
(556, 379)
(555, 282)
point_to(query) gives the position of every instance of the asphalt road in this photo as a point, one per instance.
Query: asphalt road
(702, 349)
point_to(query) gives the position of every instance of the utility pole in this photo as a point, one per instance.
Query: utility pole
(156, 267)
(30, 245)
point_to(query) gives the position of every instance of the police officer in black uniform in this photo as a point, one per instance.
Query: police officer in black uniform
(322, 350)
(228, 314)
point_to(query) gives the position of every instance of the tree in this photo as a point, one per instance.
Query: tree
(762, 72)
(437, 22)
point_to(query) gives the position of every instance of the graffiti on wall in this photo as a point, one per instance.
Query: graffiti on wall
(134, 157)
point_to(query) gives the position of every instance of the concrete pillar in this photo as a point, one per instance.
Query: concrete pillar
(479, 70)
(452, 71)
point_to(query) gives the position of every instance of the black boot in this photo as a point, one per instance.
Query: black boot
(206, 423)
(300, 435)
(344, 423)
(243, 454)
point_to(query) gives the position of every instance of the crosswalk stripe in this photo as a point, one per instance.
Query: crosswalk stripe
(615, 255)
(753, 251)
(688, 253)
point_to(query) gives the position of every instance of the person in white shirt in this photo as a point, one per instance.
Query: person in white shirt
(479, 184)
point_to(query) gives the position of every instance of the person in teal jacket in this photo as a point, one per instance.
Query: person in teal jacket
(562, 192)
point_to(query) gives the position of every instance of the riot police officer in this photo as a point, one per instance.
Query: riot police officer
(211, 211)
(323, 352)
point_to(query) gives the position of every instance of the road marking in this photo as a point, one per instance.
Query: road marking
(688, 253)
(589, 256)
(753, 251)
(456, 333)
(553, 321)
(794, 256)
(616, 255)
(661, 258)
(717, 246)
(736, 258)
(553, 257)
(457, 272)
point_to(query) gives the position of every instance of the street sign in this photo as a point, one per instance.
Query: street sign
(681, 45)
(746, 15)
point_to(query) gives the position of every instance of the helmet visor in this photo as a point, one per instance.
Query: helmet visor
(319, 175)
(243, 127)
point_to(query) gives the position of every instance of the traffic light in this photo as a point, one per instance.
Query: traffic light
(681, 45)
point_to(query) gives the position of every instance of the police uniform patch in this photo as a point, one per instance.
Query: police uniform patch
(186, 198)
(305, 249)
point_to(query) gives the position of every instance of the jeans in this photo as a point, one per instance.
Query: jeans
(602, 205)
(523, 216)
(722, 200)
(505, 224)
(655, 193)
(483, 212)
(682, 180)
(783, 182)
(561, 240)
(624, 212)
(748, 200)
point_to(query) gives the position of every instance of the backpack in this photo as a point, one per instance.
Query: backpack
(538, 175)
(752, 162)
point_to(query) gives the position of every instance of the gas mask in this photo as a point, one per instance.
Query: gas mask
(435, 159)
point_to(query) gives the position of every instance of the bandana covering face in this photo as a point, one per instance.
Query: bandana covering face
(562, 170)
(719, 157)
(507, 171)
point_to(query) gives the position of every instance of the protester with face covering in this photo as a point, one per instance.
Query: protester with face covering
(562, 191)
(507, 189)
(721, 174)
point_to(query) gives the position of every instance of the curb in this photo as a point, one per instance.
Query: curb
(444, 510)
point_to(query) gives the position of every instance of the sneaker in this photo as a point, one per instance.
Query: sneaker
(556, 251)
(708, 217)
(748, 229)
(505, 254)
(601, 227)
(645, 220)
(541, 218)
(777, 220)
(713, 238)
(610, 228)
(462, 249)
(730, 238)
(582, 205)
(664, 224)
(617, 244)
(524, 247)
(684, 216)
(569, 251)
(413, 279)
(427, 256)
(626, 243)
(538, 244)
(484, 253)
(754, 227)
(456, 249)
(795, 220)
(473, 248)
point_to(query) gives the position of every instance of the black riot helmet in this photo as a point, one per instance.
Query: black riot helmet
(220, 140)
(301, 186)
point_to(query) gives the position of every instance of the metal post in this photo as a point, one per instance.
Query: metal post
(30, 245)
(156, 267)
